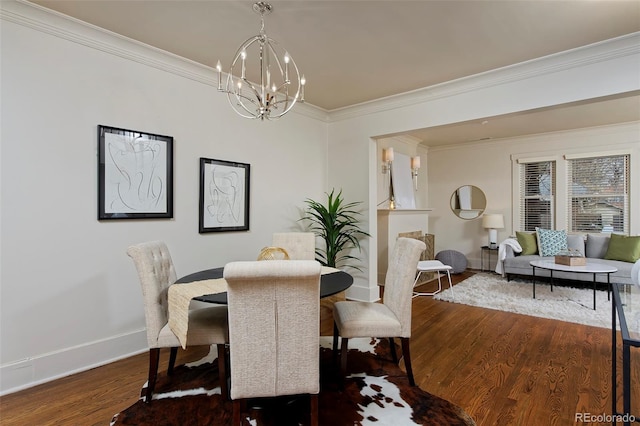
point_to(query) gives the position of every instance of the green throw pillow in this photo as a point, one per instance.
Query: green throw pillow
(621, 247)
(528, 242)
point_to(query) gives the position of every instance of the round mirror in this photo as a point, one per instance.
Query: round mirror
(468, 202)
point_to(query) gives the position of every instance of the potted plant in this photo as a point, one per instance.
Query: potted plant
(339, 226)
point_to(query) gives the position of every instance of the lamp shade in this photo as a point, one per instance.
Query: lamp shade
(415, 163)
(387, 154)
(493, 221)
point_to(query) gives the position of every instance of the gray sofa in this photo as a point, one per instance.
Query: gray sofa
(593, 246)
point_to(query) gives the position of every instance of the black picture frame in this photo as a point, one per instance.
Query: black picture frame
(224, 196)
(135, 174)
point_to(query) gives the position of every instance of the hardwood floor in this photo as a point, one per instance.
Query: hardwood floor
(501, 368)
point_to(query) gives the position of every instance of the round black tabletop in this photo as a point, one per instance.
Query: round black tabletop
(330, 284)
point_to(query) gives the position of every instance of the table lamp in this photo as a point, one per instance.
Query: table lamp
(493, 222)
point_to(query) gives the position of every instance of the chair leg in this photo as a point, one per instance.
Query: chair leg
(237, 412)
(172, 360)
(222, 371)
(313, 410)
(335, 342)
(392, 346)
(343, 359)
(406, 353)
(450, 285)
(154, 358)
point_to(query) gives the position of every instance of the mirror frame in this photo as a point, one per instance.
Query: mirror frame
(480, 200)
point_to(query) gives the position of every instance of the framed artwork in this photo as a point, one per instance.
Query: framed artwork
(224, 196)
(135, 175)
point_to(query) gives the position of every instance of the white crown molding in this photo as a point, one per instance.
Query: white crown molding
(630, 128)
(41, 19)
(591, 54)
(408, 140)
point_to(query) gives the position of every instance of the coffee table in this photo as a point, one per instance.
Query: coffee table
(589, 268)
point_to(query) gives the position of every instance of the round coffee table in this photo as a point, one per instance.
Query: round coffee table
(590, 268)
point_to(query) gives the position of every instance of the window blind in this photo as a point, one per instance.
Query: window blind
(598, 194)
(537, 189)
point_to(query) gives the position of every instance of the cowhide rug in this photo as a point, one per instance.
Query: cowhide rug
(376, 392)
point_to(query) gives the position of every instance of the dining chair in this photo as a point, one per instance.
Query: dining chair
(389, 319)
(207, 326)
(274, 329)
(298, 245)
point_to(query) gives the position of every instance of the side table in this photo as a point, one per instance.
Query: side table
(488, 250)
(626, 307)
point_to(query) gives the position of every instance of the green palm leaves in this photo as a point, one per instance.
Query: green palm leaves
(338, 224)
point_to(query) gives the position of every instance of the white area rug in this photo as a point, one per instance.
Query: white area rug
(563, 303)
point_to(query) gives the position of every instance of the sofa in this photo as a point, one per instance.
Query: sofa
(623, 254)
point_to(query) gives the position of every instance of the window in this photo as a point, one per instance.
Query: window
(537, 190)
(598, 194)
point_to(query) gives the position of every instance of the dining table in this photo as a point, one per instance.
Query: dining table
(209, 286)
(332, 281)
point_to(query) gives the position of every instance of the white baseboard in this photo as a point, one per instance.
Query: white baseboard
(30, 372)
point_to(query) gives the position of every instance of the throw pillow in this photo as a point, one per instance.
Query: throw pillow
(597, 245)
(528, 242)
(551, 242)
(624, 248)
(575, 242)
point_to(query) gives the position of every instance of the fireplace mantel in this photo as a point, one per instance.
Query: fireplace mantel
(391, 222)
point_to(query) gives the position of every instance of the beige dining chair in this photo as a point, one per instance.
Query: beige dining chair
(389, 319)
(274, 329)
(207, 326)
(298, 245)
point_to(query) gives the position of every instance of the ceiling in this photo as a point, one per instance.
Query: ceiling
(357, 51)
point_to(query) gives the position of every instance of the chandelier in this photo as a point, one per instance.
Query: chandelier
(279, 85)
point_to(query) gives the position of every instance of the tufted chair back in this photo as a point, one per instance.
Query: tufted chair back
(156, 273)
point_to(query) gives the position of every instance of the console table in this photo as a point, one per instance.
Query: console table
(626, 307)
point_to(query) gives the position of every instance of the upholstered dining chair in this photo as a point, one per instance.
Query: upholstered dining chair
(299, 245)
(207, 326)
(389, 319)
(274, 329)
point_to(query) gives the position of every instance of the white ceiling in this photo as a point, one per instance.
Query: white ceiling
(356, 51)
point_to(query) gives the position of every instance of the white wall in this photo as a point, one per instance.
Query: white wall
(70, 295)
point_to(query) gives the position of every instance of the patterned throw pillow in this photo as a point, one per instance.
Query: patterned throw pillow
(551, 242)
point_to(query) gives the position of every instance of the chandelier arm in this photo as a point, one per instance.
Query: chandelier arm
(255, 92)
(239, 96)
(240, 105)
(240, 108)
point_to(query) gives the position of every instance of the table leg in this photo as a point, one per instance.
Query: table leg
(594, 290)
(608, 286)
(626, 380)
(551, 278)
(614, 372)
(534, 282)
